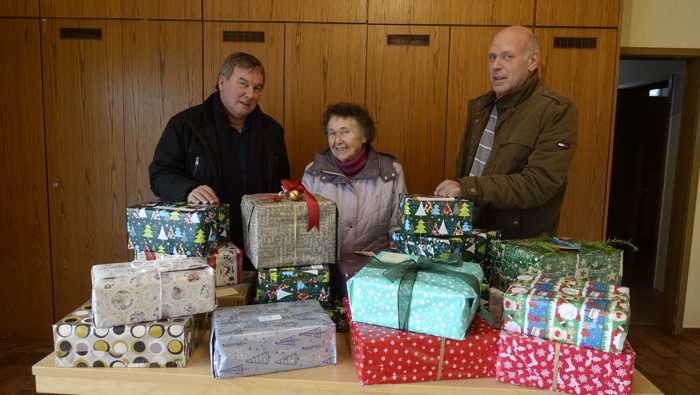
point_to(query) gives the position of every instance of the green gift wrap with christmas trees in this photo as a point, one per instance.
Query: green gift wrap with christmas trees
(585, 260)
(436, 216)
(473, 247)
(285, 284)
(176, 228)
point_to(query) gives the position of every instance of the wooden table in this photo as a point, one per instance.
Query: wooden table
(197, 379)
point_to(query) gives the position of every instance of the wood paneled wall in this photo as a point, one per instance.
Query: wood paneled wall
(24, 214)
(85, 111)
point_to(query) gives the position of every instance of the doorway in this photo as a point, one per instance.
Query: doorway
(642, 176)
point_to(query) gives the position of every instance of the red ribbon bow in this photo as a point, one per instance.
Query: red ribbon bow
(311, 202)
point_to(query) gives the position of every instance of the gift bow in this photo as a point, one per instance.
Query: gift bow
(407, 271)
(311, 202)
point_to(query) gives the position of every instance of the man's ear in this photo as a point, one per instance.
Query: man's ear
(533, 61)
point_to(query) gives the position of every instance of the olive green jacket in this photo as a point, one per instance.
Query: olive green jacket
(521, 189)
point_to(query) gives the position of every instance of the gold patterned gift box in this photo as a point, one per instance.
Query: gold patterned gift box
(167, 343)
(141, 291)
(276, 234)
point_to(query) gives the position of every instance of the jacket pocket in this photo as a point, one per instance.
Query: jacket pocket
(511, 157)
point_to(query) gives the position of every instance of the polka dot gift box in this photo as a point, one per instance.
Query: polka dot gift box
(140, 291)
(416, 294)
(384, 355)
(532, 362)
(565, 310)
(167, 343)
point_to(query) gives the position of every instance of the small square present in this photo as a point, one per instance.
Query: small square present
(436, 216)
(539, 363)
(562, 309)
(176, 228)
(140, 291)
(276, 231)
(384, 355)
(265, 338)
(227, 261)
(166, 343)
(586, 260)
(286, 284)
(416, 294)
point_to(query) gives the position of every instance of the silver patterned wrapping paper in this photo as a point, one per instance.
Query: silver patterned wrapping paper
(140, 291)
(257, 339)
(166, 343)
(276, 235)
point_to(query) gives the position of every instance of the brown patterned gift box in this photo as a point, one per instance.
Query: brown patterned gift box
(276, 235)
(233, 295)
(167, 343)
(140, 291)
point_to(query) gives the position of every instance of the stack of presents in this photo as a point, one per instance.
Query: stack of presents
(445, 302)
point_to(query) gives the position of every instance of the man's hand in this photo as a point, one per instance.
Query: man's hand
(203, 194)
(449, 188)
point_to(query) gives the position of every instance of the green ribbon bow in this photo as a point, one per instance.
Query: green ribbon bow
(407, 271)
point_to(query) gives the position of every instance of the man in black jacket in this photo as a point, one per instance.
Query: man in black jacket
(223, 148)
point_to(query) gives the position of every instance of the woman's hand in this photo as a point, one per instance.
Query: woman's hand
(203, 194)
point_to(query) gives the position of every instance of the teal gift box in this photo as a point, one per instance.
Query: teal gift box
(416, 294)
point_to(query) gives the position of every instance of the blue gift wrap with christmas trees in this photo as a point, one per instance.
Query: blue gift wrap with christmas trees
(436, 216)
(176, 228)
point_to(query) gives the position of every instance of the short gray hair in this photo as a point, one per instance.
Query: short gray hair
(242, 60)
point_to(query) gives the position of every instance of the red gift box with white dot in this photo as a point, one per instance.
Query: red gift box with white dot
(539, 363)
(385, 355)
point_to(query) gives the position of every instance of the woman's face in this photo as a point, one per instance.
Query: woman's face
(345, 138)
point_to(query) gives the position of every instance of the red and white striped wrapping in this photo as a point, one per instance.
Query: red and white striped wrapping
(386, 355)
(539, 363)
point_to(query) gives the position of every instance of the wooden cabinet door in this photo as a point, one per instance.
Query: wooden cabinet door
(24, 213)
(25, 8)
(347, 11)
(325, 64)
(162, 76)
(469, 47)
(263, 40)
(83, 103)
(151, 9)
(407, 95)
(457, 12)
(596, 13)
(587, 77)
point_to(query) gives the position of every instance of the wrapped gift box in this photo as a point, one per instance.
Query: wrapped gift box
(538, 363)
(176, 228)
(587, 314)
(257, 339)
(436, 216)
(233, 295)
(431, 297)
(384, 355)
(276, 235)
(140, 291)
(167, 343)
(473, 247)
(286, 284)
(593, 261)
(227, 261)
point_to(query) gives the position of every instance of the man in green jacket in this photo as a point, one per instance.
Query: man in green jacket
(518, 144)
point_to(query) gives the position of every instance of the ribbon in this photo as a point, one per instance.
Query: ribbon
(407, 271)
(311, 203)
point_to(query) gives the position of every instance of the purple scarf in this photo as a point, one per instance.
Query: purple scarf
(352, 167)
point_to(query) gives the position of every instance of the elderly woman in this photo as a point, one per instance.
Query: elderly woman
(364, 184)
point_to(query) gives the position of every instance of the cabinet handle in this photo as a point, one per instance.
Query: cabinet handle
(80, 33)
(56, 184)
(576, 42)
(243, 36)
(408, 39)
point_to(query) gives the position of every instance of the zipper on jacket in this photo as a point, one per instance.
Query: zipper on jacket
(196, 165)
